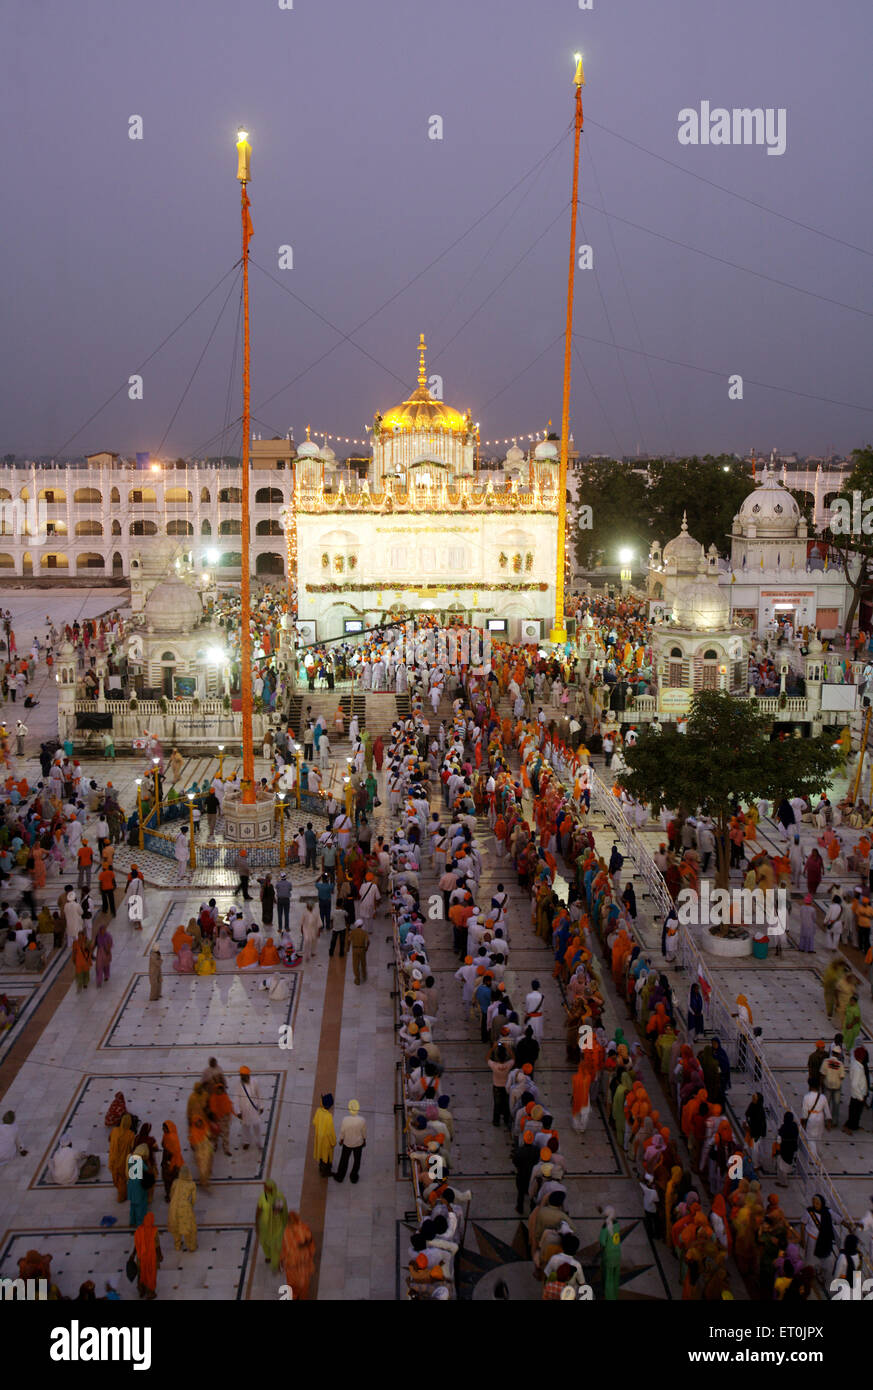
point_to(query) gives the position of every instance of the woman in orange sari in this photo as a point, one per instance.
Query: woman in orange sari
(248, 956)
(298, 1255)
(582, 1080)
(38, 866)
(269, 954)
(171, 1156)
(148, 1256)
(121, 1144)
(621, 949)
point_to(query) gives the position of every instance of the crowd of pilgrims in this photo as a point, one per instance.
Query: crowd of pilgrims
(140, 1164)
(701, 1182)
(701, 1196)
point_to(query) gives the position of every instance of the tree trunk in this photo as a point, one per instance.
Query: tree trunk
(860, 587)
(852, 610)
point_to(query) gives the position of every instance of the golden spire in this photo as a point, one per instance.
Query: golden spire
(422, 349)
(307, 431)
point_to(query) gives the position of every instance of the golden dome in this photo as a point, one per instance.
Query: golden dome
(421, 411)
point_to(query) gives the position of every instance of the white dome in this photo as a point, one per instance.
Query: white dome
(770, 508)
(514, 456)
(683, 551)
(308, 449)
(173, 606)
(328, 454)
(546, 449)
(702, 604)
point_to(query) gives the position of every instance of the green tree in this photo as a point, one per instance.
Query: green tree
(726, 757)
(855, 550)
(709, 489)
(617, 498)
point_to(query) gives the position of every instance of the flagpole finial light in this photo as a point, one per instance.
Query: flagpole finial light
(579, 78)
(244, 156)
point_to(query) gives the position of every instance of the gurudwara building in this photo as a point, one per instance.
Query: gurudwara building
(425, 532)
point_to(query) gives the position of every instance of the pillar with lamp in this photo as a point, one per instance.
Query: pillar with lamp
(626, 559)
(280, 807)
(192, 848)
(156, 773)
(138, 781)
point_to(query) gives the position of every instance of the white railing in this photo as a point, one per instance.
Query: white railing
(181, 708)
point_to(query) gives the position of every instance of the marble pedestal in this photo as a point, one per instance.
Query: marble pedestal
(249, 824)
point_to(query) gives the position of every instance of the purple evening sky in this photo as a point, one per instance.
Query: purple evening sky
(108, 241)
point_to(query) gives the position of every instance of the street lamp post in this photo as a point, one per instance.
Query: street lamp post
(297, 754)
(221, 761)
(139, 810)
(192, 850)
(626, 559)
(156, 762)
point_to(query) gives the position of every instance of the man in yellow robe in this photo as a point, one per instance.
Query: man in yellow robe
(325, 1135)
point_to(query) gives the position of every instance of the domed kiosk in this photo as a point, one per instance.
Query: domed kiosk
(178, 653)
(696, 646)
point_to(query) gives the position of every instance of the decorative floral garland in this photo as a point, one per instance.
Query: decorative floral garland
(423, 588)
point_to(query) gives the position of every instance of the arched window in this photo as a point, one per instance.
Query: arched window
(268, 528)
(204, 495)
(89, 560)
(230, 528)
(115, 495)
(206, 528)
(180, 528)
(87, 494)
(710, 669)
(178, 494)
(677, 668)
(142, 496)
(143, 528)
(168, 656)
(5, 494)
(52, 494)
(116, 528)
(231, 560)
(269, 494)
(269, 563)
(54, 561)
(6, 562)
(89, 528)
(230, 494)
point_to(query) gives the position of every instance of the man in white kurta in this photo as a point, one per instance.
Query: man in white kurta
(248, 1107)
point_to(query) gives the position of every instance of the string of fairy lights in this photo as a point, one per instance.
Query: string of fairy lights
(327, 438)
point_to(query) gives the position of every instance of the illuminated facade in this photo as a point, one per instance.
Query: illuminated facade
(424, 532)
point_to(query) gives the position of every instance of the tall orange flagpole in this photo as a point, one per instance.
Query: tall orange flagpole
(243, 173)
(559, 632)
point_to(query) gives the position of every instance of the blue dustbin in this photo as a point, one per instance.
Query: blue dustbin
(760, 945)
